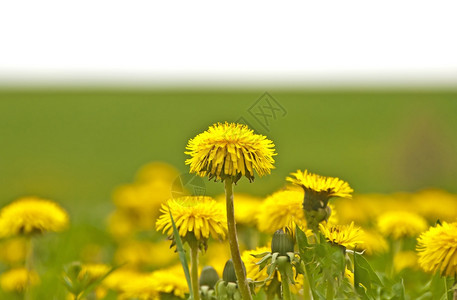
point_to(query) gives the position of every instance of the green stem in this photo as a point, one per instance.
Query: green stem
(194, 270)
(233, 241)
(285, 289)
(330, 291)
(454, 287)
(307, 294)
(28, 266)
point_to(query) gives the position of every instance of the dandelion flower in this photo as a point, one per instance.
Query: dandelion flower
(200, 215)
(17, 280)
(400, 224)
(229, 150)
(149, 286)
(281, 209)
(374, 242)
(405, 259)
(13, 251)
(144, 253)
(250, 262)
(318, 190)
(348, 236)
(316, 184)
(32, 215)
(437, 249)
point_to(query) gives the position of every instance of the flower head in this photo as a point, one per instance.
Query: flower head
(437, 249)
(252, 268)
(349, 236)
(374, 242)
(199, 215)
(32, 215)
(400, 224)
(329, 186)
(230, 150)
(281, 209)
(318, 190)
(17, 280)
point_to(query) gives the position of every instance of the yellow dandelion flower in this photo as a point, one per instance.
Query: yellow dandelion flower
(94, 271)
(13, 251)
(435, 204)
(17, 280)
(328, 186)
(157, 171)
(374, 242)
(349, 236)
(121, 277)
(143, 253)
(229, 150)
(171, 281)
(32, 215)
(437, 249)
(246, 209)
(400, 224)
(250, 262)
(281, 209)
(199, 215)
(148, 286)
(405, 259)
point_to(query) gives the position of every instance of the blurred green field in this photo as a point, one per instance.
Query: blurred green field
(76, 146)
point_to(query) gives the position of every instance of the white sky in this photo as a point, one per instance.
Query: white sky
(239, 42)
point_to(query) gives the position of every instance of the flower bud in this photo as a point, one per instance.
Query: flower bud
(229, 275)
(282, 243)
(208, 277)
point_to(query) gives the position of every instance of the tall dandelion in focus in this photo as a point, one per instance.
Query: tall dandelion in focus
(226, 152)
(318, 190)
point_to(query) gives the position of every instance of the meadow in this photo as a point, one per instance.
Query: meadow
(112, 158)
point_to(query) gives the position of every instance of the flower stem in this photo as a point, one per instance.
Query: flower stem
(194, 270)
(307, 293)
(233, 241)
(285, 285)
(29, 266)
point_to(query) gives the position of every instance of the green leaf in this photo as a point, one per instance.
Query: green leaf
(182, 254)
(93, 285)
(362, 263)
(399, 291)
(437, 286)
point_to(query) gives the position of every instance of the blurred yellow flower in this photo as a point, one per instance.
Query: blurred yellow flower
(246, 208)
(435, 205)
(374, 242)
(13, 250)
(437, 249)
(146, 286)
(328, 186)
(141, 254)
(94, 271)
(250, 262)
(32, 215)
(216, 256)
(405, 259)
(349, 236)
(400, 224)
(199, 215)
(349, 275)
(121, 277)
(157, 171)
(121, 225)
(17, 280)
(229, 150)
(281, 209)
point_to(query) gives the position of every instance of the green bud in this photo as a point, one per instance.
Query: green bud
(208, 277)
(282, 243)
(229, 275)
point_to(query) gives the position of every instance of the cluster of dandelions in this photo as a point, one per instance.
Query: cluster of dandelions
(311, 239)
